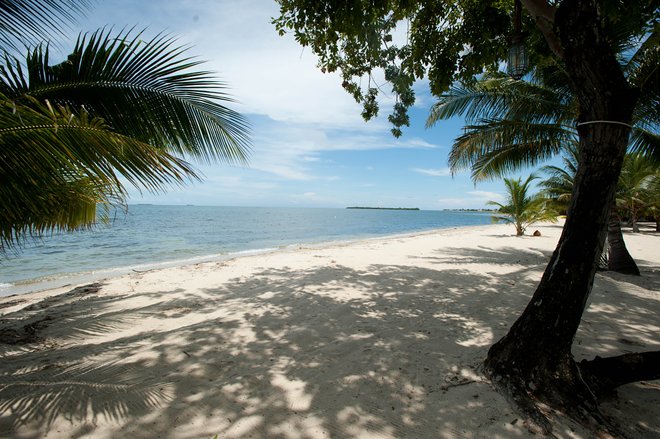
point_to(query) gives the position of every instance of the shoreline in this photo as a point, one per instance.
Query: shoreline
(72, 280)
(382, 337)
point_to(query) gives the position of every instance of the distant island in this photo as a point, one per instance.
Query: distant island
(383, 208)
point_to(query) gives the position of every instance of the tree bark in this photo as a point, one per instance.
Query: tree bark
(633, 220)
(534, 361)
(619, 259)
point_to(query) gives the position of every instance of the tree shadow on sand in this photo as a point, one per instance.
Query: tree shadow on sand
(272, 356)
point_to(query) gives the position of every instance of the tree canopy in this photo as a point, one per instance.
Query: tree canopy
(441, 41)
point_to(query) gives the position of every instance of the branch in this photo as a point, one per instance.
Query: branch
(606, 374)
(544, 17)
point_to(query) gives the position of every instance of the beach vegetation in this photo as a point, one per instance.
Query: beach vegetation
(652, 209)
(558, 185)
(456, 42)
(636, 190)
(512, 124)
(523, 208)
(121, 110)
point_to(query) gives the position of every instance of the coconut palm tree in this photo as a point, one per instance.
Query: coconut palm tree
(513, 124)
(653, 206)
(558, 187)
(523, 209)
(635, 189)
(120, 110)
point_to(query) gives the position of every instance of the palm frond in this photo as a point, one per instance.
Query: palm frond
(56, 167)
(646, 143)
(142, 89)
(637, 65)
(497, 97)
(496, 147)
(29, 22)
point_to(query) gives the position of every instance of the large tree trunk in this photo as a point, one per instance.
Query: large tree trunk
(619, 258)
(533, 361)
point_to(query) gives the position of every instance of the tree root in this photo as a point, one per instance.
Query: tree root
(541, 404)
(603, 375)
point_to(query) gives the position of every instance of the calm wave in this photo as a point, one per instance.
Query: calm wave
(153, 236)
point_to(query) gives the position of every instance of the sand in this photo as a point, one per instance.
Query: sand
(381, 338)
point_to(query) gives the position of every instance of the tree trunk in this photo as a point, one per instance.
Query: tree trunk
(533, 361)
(633, 220)
(619, 258)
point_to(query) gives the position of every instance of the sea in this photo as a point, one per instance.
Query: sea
(146, 237)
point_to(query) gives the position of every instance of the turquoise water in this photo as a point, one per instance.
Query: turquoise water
(151, 236)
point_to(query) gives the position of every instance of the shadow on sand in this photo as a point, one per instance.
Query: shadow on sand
(270, 356)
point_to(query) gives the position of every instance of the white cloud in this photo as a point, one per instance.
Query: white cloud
(418, 143)
(485, 195)
(299, 115)
(442, 172)
(473, 200)
(270, 75)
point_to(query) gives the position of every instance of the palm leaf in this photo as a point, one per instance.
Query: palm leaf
(497, 97)
(56, 167)
(120, 109)
(646, 143)
(495, 147)
(142, 89)
(28, 22)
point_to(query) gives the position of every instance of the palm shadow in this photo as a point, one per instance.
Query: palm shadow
(271, 355)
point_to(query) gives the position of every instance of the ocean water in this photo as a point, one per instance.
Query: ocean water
(151, 236)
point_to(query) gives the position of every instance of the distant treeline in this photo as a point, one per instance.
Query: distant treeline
(383, 208)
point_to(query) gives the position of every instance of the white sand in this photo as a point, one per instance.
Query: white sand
(374, 339)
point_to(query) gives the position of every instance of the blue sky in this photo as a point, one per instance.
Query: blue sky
(311, 147)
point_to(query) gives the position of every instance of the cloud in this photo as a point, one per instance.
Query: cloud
(473, 200)
(485, 195)
(418, 143)
(298, 114)
(269, 74)
(442, 172)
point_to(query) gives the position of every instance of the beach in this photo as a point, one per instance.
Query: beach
(375, 338)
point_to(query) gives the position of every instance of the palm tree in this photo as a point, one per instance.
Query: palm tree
(653, 206)
(120, 110)
(635, 189)
(521, 208)
(514, 124)
(558, 187)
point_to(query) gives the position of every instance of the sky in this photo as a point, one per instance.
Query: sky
(310, 145)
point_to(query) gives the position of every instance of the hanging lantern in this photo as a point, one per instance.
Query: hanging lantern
(517, 60)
